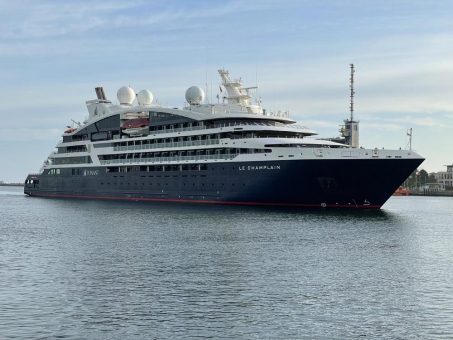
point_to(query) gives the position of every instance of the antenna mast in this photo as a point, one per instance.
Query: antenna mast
(351, 85)
(409, 143)
(350, 129)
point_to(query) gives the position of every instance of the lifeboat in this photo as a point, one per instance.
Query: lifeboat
(136, 126)
(135, 123)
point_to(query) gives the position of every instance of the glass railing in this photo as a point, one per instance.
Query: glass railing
(167, 159)
(166, 145)
(229, 124)
(190, 128)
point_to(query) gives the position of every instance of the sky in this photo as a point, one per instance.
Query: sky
(53, 54)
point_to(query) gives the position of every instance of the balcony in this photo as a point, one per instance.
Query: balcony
(166, 145)
(168, 159)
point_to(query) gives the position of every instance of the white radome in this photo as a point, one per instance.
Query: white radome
(125, 95)
(195, 95)
(145, 97)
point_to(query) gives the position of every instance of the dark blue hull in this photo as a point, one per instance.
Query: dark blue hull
(357, 183)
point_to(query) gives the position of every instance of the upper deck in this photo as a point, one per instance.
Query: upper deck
(235, 107)
(236, 128)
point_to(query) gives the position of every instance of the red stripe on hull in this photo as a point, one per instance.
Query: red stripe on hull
(174, 200)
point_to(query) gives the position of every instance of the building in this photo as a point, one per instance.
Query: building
(445, 178)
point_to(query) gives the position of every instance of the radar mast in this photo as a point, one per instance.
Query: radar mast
(237, 94)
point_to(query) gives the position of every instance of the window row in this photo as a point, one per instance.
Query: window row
(183, 153)
(154, 168)
(72, 160)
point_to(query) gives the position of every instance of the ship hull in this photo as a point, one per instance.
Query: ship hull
(352, 183)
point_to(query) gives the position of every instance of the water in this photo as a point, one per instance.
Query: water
(114, 270)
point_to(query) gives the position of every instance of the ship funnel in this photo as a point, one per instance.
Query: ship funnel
(100, 93)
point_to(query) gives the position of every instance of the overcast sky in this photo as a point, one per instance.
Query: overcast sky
(53, 54)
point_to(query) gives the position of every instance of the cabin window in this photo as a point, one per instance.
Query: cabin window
(97, 136)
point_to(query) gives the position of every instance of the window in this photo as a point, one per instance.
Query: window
(99, 136)
(56, 171)
(72, 160)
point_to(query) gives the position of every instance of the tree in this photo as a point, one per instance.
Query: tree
(422, 177)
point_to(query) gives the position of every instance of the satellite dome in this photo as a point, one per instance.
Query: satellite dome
(125, 95)
(144, 97)
(195, 95)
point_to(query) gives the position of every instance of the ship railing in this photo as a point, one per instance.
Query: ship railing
(252, 123)
(227, 124)
(166, 145)
(190, 128)
(167, 159)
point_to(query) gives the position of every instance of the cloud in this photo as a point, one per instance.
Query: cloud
(117, 28)
(429, 122)
(24, 20)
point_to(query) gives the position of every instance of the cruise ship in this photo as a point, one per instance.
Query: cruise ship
(230, 152)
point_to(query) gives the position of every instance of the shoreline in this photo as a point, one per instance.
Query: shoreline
(433, 194)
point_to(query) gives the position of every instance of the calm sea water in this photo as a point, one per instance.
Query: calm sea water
(114, 270)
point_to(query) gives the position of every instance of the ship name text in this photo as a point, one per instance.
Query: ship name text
(258, 167)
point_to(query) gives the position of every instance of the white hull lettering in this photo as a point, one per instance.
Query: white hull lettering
(91, 172)
(258, 167)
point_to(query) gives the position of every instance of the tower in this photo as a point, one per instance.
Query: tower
(350, 130)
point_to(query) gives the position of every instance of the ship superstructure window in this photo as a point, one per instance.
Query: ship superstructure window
(178, 155)
(75, 138)
(157, 168)
(72, 160)
(53, 172)
(156, 114)
(97, 136)
(175, 153)
(102, 145)
(70, 149)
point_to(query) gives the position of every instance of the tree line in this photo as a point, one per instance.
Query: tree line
(419, 178)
